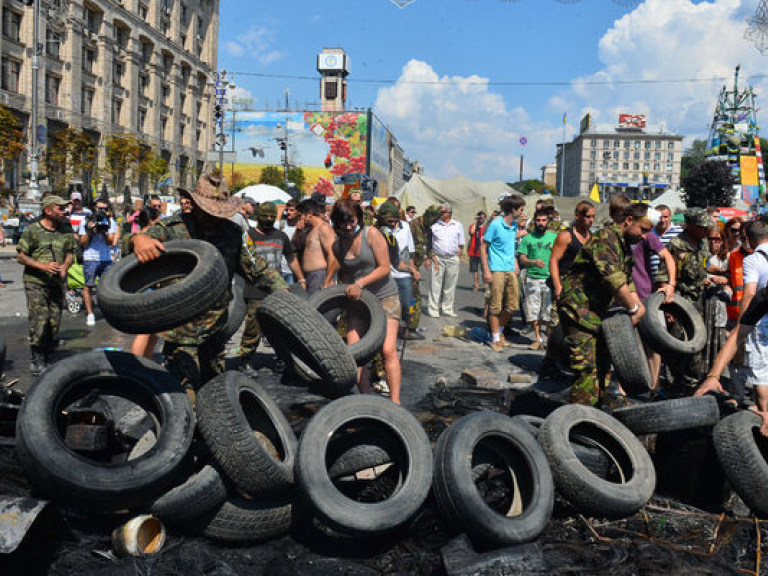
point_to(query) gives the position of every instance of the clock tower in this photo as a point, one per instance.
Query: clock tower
(333, 65)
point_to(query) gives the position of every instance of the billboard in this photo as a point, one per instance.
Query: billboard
(378, 147)
(631, 120)
(324, 144)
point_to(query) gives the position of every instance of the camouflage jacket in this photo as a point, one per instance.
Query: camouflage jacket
(46, 246)
(422, 240)
(600, 269)
(228, 239)
(691, 262)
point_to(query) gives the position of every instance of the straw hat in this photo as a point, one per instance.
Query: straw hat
(211, 195)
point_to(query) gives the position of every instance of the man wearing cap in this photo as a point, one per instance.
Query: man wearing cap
(77, 214)
(46, 250)
(599, 278)
(271, 245)
(447, 245)
(689, 251)
(194, 352)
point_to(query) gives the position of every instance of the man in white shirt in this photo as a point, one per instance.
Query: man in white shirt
(97, 234)
(448, 243)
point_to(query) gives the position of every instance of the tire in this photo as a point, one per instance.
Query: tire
(741, 450)
(293, 327)
(669, 415)
(653, 326)
(413, 461)
(510, 447)
(332, 302)
(248, 435)
(82, 482)
(627, 355)
(239, 520)
(129, 307)
(200, 493)
(348, 454)
(591, 494)
(237, 307)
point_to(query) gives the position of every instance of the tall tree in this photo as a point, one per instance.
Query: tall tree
(709, 184)
(122, 153)
(11, 136)
(272, 175)
(296, 175)
(693, 156)
(71, 155)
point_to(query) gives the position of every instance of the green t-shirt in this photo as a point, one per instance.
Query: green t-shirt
(538, 248)
(45, 246)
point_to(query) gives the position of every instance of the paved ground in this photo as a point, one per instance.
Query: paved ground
(424, 361)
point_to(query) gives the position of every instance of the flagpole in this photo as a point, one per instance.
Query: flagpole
(562, 160)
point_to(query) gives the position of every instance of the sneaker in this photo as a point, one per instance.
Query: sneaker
(497, 347)
(450, 314)
(90, 320)
(536, 345)
(381, 387)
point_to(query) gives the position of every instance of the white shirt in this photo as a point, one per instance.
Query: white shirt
(405, 247)
(756, 272)
(447, 237)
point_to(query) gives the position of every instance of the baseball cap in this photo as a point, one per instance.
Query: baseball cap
(75, 196)
(54, 200)
(267, 210)
(697, 217)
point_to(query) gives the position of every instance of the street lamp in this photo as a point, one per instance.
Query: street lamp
(283, 143)
(33, 193)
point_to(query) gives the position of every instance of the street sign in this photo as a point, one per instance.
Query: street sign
(213, 156)
(30, 209)
(523, 140)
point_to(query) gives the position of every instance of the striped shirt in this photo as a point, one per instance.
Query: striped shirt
(671, 232)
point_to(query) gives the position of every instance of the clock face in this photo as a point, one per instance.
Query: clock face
(330, 61)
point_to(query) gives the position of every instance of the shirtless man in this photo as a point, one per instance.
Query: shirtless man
(315, 245)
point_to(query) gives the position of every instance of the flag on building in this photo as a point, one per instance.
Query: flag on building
(594, 195)
(564, 119)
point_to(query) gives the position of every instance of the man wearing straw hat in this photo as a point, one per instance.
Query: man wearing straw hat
(194, 352)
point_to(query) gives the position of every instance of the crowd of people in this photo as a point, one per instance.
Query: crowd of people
(556, 276)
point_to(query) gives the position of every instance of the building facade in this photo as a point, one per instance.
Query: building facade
(115, 67)
(628, 158)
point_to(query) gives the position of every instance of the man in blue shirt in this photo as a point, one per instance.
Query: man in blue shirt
(497, 254)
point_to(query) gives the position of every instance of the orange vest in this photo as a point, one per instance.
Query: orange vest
(736, 270)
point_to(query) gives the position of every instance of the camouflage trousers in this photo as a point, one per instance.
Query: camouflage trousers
(44, 304)
(195, 365)
(590, 361)
(251, 330)
(415, 316)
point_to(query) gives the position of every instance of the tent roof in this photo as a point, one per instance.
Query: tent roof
(265, 193)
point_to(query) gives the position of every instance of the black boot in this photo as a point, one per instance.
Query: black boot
(37, 364)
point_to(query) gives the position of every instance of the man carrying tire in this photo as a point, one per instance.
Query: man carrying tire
(600, 277)
(46, 250)
(194, 351)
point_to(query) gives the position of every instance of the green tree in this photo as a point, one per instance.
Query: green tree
(272, 175)
(152, 166)
(693, 156)
(11, 136)
(71, 155)
(709, 184)
(529, 187)
(296, 175)
(122, 153)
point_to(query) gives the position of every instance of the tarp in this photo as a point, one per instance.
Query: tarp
(265, 193)
(671, 198)
(566, 205)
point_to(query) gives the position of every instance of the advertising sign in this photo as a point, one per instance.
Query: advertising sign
(631, 120)
(749, 171)
(379, 155)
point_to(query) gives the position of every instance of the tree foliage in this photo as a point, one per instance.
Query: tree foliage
(296, 176)
(122, 153)
(693, 156)
(709, 183)
(71, 155)
(272, 175)
(11, 136)
(530, 187)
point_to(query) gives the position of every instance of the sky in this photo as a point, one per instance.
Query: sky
(459, 82)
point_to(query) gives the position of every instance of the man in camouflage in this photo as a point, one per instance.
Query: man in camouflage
(690, 252)
(194, 352)
(46, 250)
(421, 230)
(600, 278)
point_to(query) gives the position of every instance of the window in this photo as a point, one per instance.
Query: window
(591, 176)
(606, 143)
(11, 69)
(140, 119)
(52, 84)
(163, 127)
(121, 36)
(647, 144)
(197, 137)
(118, 69)
(627, 143)
(646, 167)
(671, 156)
(593, 154)
(616, 155)
(655, 177)
(183, 39)
(181, 131)
(636, 166)
(669, 167)
(669, 178)
(671, 145)
(636, 155)
(616, 143)
(657, 155)
(182, 100)
(52, 44)
(165, 91)
(637, 144)
(117, 106)
(592, 165)
(11, 24)
(615, 166)
(143, 11)
(146, 52)
(593, 143)
(86, 101)
(647, 156)
(625, 166)
(167, 63)
(184, 14)
(143, 84)
(91, 20)
(625, 155)
(657, 144)
(89, 59)
(656, 166)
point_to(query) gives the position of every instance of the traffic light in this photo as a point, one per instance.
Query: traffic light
(282, 145)
(218, 112)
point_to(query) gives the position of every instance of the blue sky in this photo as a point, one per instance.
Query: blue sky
(459, 81)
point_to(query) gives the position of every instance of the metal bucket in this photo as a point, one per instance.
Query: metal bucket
(142, 535)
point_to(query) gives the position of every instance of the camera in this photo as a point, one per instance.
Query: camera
(101, 220)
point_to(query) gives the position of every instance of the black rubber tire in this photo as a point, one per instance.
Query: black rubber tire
(199, 494)
(414, 461)
(627, 355)
(359, 450)
(653, 327)
(332, 302)
(669, 415)
(458, 498)
(741, 450)
(129, 307)
(239, 520)
(589, 493)
(237, 307)
(293, 327)
(231, 408)
(71, 479)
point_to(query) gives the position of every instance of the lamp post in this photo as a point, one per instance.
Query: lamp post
(606, 157)
(218, 112)
(33, 193)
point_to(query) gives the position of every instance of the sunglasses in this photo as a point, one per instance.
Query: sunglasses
(732, 229)
(715, 239)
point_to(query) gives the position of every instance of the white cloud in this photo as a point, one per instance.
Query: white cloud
(257, 42)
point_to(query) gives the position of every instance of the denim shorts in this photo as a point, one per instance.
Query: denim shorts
(94, 269)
